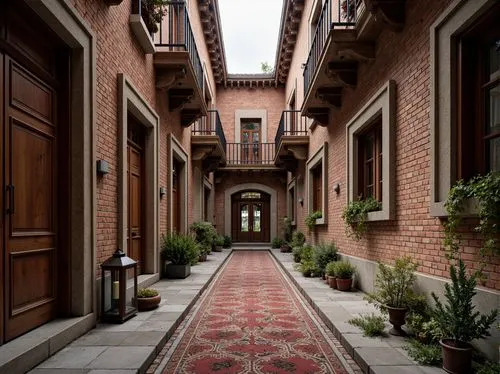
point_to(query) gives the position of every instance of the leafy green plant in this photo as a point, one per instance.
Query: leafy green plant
(298, 239)
(344, 270)
(457, 318)
(488, 368)
(152, 12)
(393, 285)
(424, 354)
(355, 215)
(330, 268)
(371, 325)
(147, 292)
(311, 218)
(323, 254)
(205, 235)
(425, 328)
(180, 249)
(276, 242)
(297, 253)
(307, 265)
(219, 240)
(287, 229)
(485, 191)
(227, 242)
(307, 253)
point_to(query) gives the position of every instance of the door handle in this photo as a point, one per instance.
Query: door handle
(12, 200)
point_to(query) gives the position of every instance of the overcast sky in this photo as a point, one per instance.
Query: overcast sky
(250, 30)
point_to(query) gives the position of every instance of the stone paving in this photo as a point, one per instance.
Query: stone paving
(132, 346)
(383, 355)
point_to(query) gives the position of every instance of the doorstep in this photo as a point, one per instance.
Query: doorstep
(131, 347)
(373, 355)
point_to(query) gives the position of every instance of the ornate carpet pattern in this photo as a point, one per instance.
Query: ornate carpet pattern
(251, 321)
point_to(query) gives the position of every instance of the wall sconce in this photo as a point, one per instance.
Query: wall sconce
(301, 201)
(163, 191)
(336, 188)
(102, 167)
(303, 66)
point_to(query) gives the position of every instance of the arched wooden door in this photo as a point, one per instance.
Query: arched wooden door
(250, 217)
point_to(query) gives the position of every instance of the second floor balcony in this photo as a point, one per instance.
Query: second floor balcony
(250, 155)
(208, 142)
(292, 140)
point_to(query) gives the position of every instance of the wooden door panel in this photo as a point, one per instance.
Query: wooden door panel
(135, 205)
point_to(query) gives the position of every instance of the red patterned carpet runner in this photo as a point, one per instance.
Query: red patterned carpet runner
(252, 322)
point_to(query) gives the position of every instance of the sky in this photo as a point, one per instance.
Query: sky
(250, 31)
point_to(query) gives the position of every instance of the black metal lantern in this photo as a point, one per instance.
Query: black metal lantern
(118, 302)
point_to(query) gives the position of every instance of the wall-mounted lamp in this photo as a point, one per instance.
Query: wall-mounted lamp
(336, 188)
(303, 66)
(301, 201)
(163, 191)
(102, 167)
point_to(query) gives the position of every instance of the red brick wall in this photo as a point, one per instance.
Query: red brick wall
(405, 58)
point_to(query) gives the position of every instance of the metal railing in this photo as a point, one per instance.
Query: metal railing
(175, 33)
(292, 123)
(210, 125)
(344, 17)
(256, 154)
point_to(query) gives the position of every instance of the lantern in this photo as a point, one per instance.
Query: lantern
(118, 302)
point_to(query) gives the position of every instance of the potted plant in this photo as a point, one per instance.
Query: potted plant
(459, 321)
(276, 243)
(394, 294)
(330, 273)
(205, 235)
(343, 273)
(219, 243)
(311, 218)
(297, 253)
(307, 264)
(323, 254)
(298, 239)
(147, 299)
(355, 215)
(152, 12)
(227, 242)
(287, 235)
(181, 251)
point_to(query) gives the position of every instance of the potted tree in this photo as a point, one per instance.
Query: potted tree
(330, 273)
(181, 251)
(343, 273)
(460, 323)
(323, 254)
(147, 299)
(394, 294)
(205, 235)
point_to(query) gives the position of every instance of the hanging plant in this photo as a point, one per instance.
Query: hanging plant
(355, 215)
(483, 190)
(152, 12)
(311, 218)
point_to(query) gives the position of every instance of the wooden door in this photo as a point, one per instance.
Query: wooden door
(176, 211)
(135, 176)
(251, 219)
(30, 215)
(250, 142)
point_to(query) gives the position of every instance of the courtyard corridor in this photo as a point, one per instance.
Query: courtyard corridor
(252, 320)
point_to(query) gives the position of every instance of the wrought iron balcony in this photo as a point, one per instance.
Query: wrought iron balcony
(178, 64)
(250, 155)
(208, 142)
(292, 139)
(344, 37)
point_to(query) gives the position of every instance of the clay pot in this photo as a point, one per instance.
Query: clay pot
(148, 303)
(397, 319)
(456, 357)
(332, 282)
(344, 284)
(202, 258)
(285, 248)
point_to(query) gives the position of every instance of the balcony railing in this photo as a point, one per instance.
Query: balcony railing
(210, 125)
(250, 154)
(175, 34)
(335, 14)
(292, 123)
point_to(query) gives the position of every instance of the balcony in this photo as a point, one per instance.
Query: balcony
(208, 142)
(250, 156)
(179, 72)
(292, 140)
(344, 38)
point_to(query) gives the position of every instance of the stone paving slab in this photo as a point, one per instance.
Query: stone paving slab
(374, 355)
(130, 347)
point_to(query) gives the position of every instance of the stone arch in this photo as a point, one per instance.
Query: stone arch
(251, 186)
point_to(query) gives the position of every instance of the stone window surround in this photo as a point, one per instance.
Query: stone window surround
(207, 185)
(240, 114)
(382, 103)
(320, 156)
(292, 185)
(175, 150)
(453, 21)
(129, 100)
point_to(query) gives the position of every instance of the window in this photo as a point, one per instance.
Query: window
(370, 161)
(370, 152)
(478, 122)
(250, 195)
(317, 195)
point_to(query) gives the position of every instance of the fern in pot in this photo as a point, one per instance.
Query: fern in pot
(394, 294)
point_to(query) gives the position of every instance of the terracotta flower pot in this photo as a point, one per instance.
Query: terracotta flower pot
(456, 357)
(397, 319)
(332, 282)
(148, 303)
(202, 258)
(344, 284)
